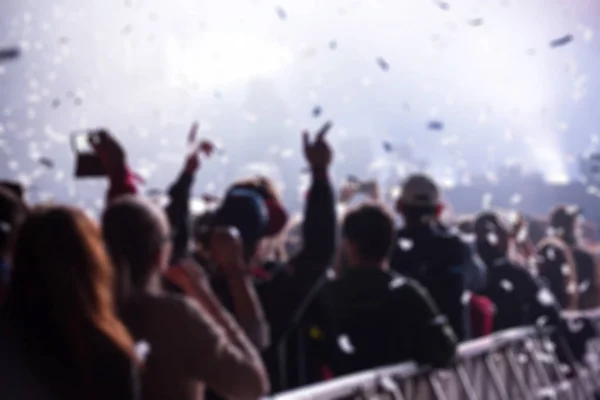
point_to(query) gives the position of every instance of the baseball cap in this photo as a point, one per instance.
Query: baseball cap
(563, 216)
(420, 191)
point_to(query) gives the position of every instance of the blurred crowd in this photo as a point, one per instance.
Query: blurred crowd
(153, 302)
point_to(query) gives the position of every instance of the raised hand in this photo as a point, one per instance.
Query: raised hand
(318, 152)
(227, 250)
(109, 150)
(188, 276)
(205, 147)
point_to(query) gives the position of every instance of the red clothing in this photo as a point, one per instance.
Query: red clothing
(482, 316)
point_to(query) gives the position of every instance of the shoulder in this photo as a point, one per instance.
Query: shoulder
(402, 287)
(163, 307)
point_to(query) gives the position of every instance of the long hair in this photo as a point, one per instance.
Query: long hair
(556, 265)
(62, 289)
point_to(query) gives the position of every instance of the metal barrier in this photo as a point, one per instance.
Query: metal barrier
(515, 364)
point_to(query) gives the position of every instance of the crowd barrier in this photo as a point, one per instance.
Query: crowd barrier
(520, 363)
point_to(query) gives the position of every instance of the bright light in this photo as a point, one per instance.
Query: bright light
(223, 58)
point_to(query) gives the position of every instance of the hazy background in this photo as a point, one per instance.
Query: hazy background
(252, 71)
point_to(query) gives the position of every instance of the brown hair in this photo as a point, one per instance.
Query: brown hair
(555, 262)
(61, 288)
(134, 232)
(263, 185)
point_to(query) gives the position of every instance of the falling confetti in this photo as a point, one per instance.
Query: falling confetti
(345, 344)
(9, 53)
(562, 41)
(383, 64)
(405, 244)
(55, 103)
(332, 45)
(387, 147)
(316, 112)
(443, 5)
(126, 30)
(281, 13)
(435, 125)
(46, 162)
(506, 285)
(476, 22)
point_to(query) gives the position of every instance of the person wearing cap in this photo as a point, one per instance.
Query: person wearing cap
(12, 212)
(429, 253)
(565, 223)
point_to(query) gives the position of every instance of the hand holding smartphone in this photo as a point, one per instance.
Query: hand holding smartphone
(87, 162)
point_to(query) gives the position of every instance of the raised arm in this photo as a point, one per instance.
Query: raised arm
(178, 210)
(114, 159)
(286, 295)
(318, 231)
(216, 350)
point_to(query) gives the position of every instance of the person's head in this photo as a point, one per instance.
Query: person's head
(62, 285)
(565, 222)
(368, 234)
(138, 238)
(12, 212)
(419, 203)
(253, 207)
(492, 235)
(555, 264)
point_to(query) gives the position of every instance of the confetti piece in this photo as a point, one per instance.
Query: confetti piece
(332, 45)
(405, 244)
(562, 41)
(193, 133)
(387, 147)
(78, 101)
(281, 13)
(476, 22)
(126, 30)
(435, 125)
(316, 112)
(9, 53)
(55, 103)
(383, 64)
(352, 179)
(443, 5)
(46, 162)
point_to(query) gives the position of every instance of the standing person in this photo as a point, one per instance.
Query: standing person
(284, 289)
(428, 253)
(556, 266)
(192, 342)
(519, 298)
(372, 316)
(12, 212)
(61, 336)
(565, 223)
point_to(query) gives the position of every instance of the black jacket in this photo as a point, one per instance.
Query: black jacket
(438, 261)
(371, 318)
(519, 298)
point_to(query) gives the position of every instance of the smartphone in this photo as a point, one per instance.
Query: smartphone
(87, 162)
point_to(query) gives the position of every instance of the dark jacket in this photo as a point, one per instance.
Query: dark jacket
(587, 277)
(519, 298)
(437, 260)
(371, 318)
